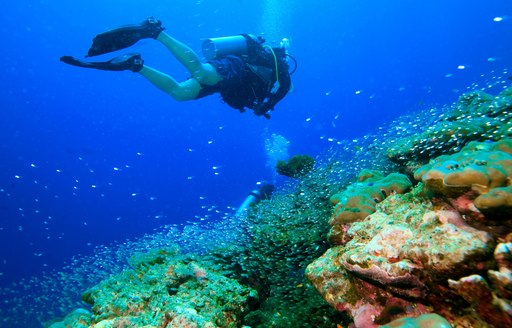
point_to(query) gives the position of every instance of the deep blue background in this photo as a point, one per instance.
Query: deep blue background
(89, 157)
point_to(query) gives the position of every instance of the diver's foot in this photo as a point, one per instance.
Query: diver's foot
(125, 36)
(152, 27)
(132, 62)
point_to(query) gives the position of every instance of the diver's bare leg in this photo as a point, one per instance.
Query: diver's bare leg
(204, 73)
(187, 90)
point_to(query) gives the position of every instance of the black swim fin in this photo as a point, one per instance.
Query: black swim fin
(132, 62)
(125, 36)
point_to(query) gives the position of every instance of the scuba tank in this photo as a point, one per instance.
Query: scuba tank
(255, 196)
(237, 45)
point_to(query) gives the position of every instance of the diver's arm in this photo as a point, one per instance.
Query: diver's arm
(284, 87)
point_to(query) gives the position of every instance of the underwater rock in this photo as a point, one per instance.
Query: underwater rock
(165, 288)
(485, 169)
(492, 302)
(296, 167)
(399, 256)
(360, 199)
(502, 279)
(476, 116)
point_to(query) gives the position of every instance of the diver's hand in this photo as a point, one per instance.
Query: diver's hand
(261, 110)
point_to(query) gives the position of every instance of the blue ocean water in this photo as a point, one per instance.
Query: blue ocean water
(92, 157)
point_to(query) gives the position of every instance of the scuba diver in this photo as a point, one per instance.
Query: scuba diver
(256, 196)
(246, 73)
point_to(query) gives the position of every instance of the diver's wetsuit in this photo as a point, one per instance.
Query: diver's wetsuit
(247, 81)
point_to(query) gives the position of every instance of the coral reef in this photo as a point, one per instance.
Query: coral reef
(476, 116)
(484, 170)
(296, 167)
(279, 238)
(420, 248)
(79, 318)
(435, 254)
(359, 200)
(497, 202)
(285, 234)
(163, 289)
(493, 303)
(401, 257)
(429, 320)
(478, 166)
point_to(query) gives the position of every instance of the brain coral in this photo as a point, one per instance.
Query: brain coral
(483, 167)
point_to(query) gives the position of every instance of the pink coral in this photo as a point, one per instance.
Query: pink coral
(492, 302)
(405, 251)
(502, 279)
(475, 290)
